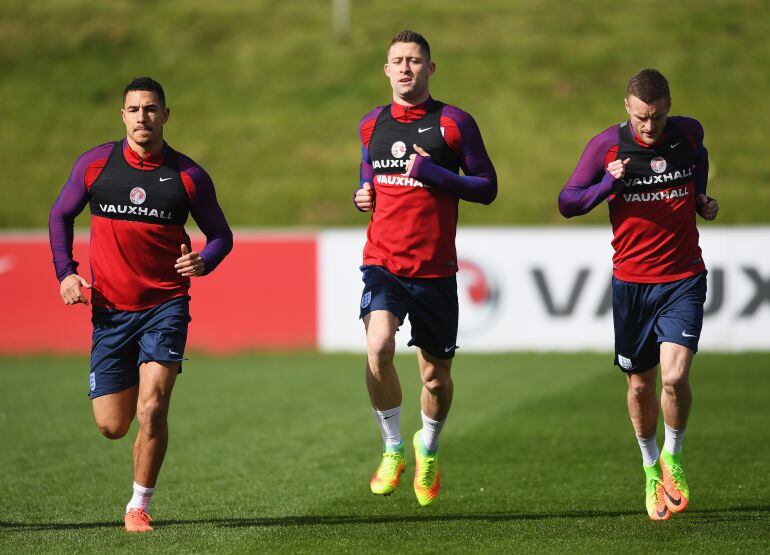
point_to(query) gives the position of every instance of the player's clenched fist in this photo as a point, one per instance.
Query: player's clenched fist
(365, 197)
(707, 207)
(69, 289)
(617, 168)
(421, 152)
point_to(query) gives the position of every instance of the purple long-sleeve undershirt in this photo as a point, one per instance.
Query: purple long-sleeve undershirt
(207, 213)
(365, 173)
(71, 201)
(479, 182)
(74, 197)
(591, 183)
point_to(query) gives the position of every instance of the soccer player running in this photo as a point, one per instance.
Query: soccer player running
(140, 192)
(653, 170)
(413, 150)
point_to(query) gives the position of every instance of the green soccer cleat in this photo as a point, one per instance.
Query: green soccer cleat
(655, 493)
(427, 480)
(675, 484)
(385, 480)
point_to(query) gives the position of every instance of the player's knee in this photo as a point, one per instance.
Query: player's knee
(436, 382)
(113, 429)
(380, 349)
(434, 386)
(674, 381)
(152, 412)
(641, 389)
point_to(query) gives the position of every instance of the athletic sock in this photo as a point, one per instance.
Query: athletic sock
(431, 429)
(674, 440)
(649, 447)
(141, 498)
(389, 422)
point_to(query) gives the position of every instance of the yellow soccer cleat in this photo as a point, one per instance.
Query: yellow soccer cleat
(427, 480)
(385, 480)
(655, 493)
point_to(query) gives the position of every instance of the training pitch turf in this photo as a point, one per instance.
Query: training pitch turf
(274, 452)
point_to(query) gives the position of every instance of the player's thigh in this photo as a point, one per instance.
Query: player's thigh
(675, 363)
(633, 316)
(114, 412)
(433, 369)
(156, 381)
(433, 315)
(381, 323)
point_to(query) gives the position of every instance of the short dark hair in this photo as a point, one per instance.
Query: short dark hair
(145, 84)
(649, 85)
(411, 36)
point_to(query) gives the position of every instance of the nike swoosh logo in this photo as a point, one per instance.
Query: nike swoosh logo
(676, 502)
(662, 513)
(386, 417)
(447, 349)
(421, 130)
(165, 178)
(173, 353)
(674, 145)
(685, 334)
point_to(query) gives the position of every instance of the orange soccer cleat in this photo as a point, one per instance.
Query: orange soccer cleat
(137, 521)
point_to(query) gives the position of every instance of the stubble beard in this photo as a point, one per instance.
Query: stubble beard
(411, 93)
(143, 139)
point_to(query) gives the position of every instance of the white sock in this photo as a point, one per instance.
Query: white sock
(674, 440)
(431, 429)
(649, 447)
(389, 422)
(141, 498)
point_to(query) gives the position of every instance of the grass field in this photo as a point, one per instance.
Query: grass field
(268, 101)
(273, 452)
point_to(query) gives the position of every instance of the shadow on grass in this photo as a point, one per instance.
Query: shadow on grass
(748, 513)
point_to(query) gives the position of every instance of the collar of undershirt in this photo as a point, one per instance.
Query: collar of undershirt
(151, 162)
(408, 114)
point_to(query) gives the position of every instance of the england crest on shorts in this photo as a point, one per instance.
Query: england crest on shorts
(92, 381)
(624, 362)
(366, 299)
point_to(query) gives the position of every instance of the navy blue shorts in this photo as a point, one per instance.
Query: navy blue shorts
(647, 314)
(430, 302)
(123, 340)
